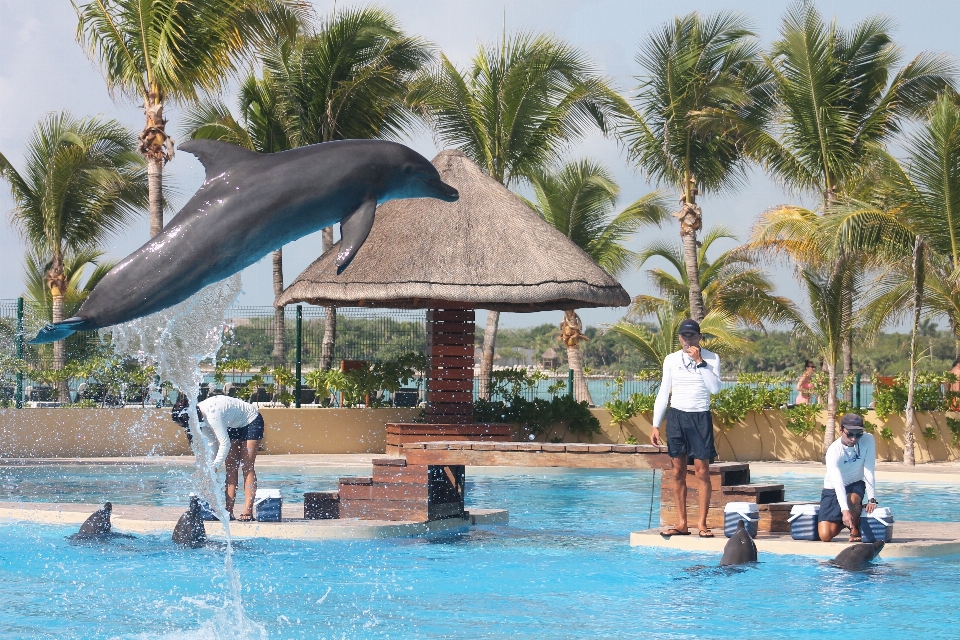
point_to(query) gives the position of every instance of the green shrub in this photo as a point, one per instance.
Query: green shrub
(801, 419)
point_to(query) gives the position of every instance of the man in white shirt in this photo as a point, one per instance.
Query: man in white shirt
(689, 377)
(850, 464)
(238, 428)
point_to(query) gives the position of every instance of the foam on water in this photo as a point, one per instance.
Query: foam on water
(177, 340)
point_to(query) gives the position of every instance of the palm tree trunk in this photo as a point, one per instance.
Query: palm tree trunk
(330, 317)
(60, 348)
(697, 311)
(847, 348)
(910, 419)
(279, 328)
(489, 347)
(831, 427)
(581, 392)
(155, 185)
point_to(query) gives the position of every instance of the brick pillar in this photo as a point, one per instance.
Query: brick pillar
(450, 344)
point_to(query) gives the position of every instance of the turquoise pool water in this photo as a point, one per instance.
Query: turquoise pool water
(561, 568)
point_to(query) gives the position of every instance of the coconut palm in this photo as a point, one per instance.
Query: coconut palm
(160, 50)
(732, 283)
(579, 200)
(82, 181)
(697, 111)
(839, 98)
(513, 111)
(719, 328)
(37, 293)
(349, 80)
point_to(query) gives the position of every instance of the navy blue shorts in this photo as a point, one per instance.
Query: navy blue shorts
(253, 431)
(830, 508)
(690, 433)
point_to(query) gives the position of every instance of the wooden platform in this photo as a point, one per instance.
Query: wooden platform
(162, 520)
(536, 454)
(910, 540)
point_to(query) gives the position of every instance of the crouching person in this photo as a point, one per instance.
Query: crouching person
(849, 481)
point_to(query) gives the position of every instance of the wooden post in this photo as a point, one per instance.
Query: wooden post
(450, 343)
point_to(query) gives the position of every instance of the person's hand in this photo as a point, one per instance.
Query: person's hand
(848, 518)
(694, 353)
(869, 507)
(655, 437)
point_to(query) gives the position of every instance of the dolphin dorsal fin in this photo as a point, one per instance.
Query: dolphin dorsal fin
(216, 156)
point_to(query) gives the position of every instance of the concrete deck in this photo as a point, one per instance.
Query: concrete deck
(162, 520)
(910, 540)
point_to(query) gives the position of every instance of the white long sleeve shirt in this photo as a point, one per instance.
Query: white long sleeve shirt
(221, 413)
(851, 464)
(685, 386)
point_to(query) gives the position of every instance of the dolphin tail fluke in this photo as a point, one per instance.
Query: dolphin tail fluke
(354, 229)
(58, 331)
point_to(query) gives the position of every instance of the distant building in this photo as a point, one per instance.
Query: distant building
(550, 359)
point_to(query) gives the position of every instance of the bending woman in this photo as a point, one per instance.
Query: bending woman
(238, 428)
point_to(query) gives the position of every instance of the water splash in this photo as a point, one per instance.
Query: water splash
(177, 340)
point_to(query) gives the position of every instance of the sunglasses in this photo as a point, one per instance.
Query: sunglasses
(856, 436)
(689, 334)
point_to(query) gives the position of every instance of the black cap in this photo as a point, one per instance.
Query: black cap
(689, 326)
(851, 422)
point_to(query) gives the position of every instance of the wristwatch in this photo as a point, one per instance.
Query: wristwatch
(872, 501)
(702, 364)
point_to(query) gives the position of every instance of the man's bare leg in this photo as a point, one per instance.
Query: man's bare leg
(232, 467)
(702, 468)
(856, 506)
(680, 491)
(248, 459)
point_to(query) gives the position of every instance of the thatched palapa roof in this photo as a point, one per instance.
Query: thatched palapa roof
(487, 250)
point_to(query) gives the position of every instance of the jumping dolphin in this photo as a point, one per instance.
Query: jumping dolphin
(189, 531)
(740, 548)
(249, 205)
(858, 556)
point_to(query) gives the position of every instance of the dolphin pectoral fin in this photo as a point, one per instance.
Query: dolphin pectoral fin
(215, 156)
(59, 331)
(354, 229)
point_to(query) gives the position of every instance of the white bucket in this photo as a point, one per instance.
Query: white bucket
(803, 521)
(268, 505)
(877, 526)
(734, 512)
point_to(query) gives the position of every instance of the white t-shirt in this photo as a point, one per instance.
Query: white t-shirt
(685, 386)
(221, 413)
(850, 464)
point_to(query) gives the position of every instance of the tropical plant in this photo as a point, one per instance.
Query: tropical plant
(732, 283)
(160, 50)
(839, 98)
(513, 112)
(579, 200)
(705, 97)
(348, 80)
(82, 181)
(37, 293)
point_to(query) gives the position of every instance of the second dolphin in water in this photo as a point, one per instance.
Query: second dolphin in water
(740, 548)
(189, 531)
(250, 205)
(858, 556)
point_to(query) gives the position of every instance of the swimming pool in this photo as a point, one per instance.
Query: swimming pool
(561, 568)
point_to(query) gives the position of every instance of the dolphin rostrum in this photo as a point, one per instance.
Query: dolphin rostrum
(249, 205)
(858, 556)
(740, 548)
(189, 531)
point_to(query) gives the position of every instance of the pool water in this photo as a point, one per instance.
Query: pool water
(562, 568)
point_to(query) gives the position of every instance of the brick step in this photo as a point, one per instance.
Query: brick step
(774, 516)
(759, 493)
(321, 505)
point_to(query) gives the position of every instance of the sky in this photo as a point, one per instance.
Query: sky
(43, 69)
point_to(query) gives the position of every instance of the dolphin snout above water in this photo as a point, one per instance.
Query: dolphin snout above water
(858, 556)
(249, 205)
(740, 548)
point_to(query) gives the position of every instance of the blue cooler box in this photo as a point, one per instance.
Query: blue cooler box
(803, 521)
(734, 512)
(205, 510)
(268, 505)
(877, 526)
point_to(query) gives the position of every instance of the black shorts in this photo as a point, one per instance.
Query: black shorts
(253, 431)
(830, 507)
(690, 433)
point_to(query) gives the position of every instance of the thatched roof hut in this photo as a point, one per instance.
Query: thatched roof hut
(488, 250)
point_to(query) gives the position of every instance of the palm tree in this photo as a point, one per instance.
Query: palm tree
(350, 80)
(732, 284)
(261, 128)
(839, 99)
(83, 180)
(579, 200)
(160, 50)
(37, 294)
(718, 327)
(513, 112)
(704, 101)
